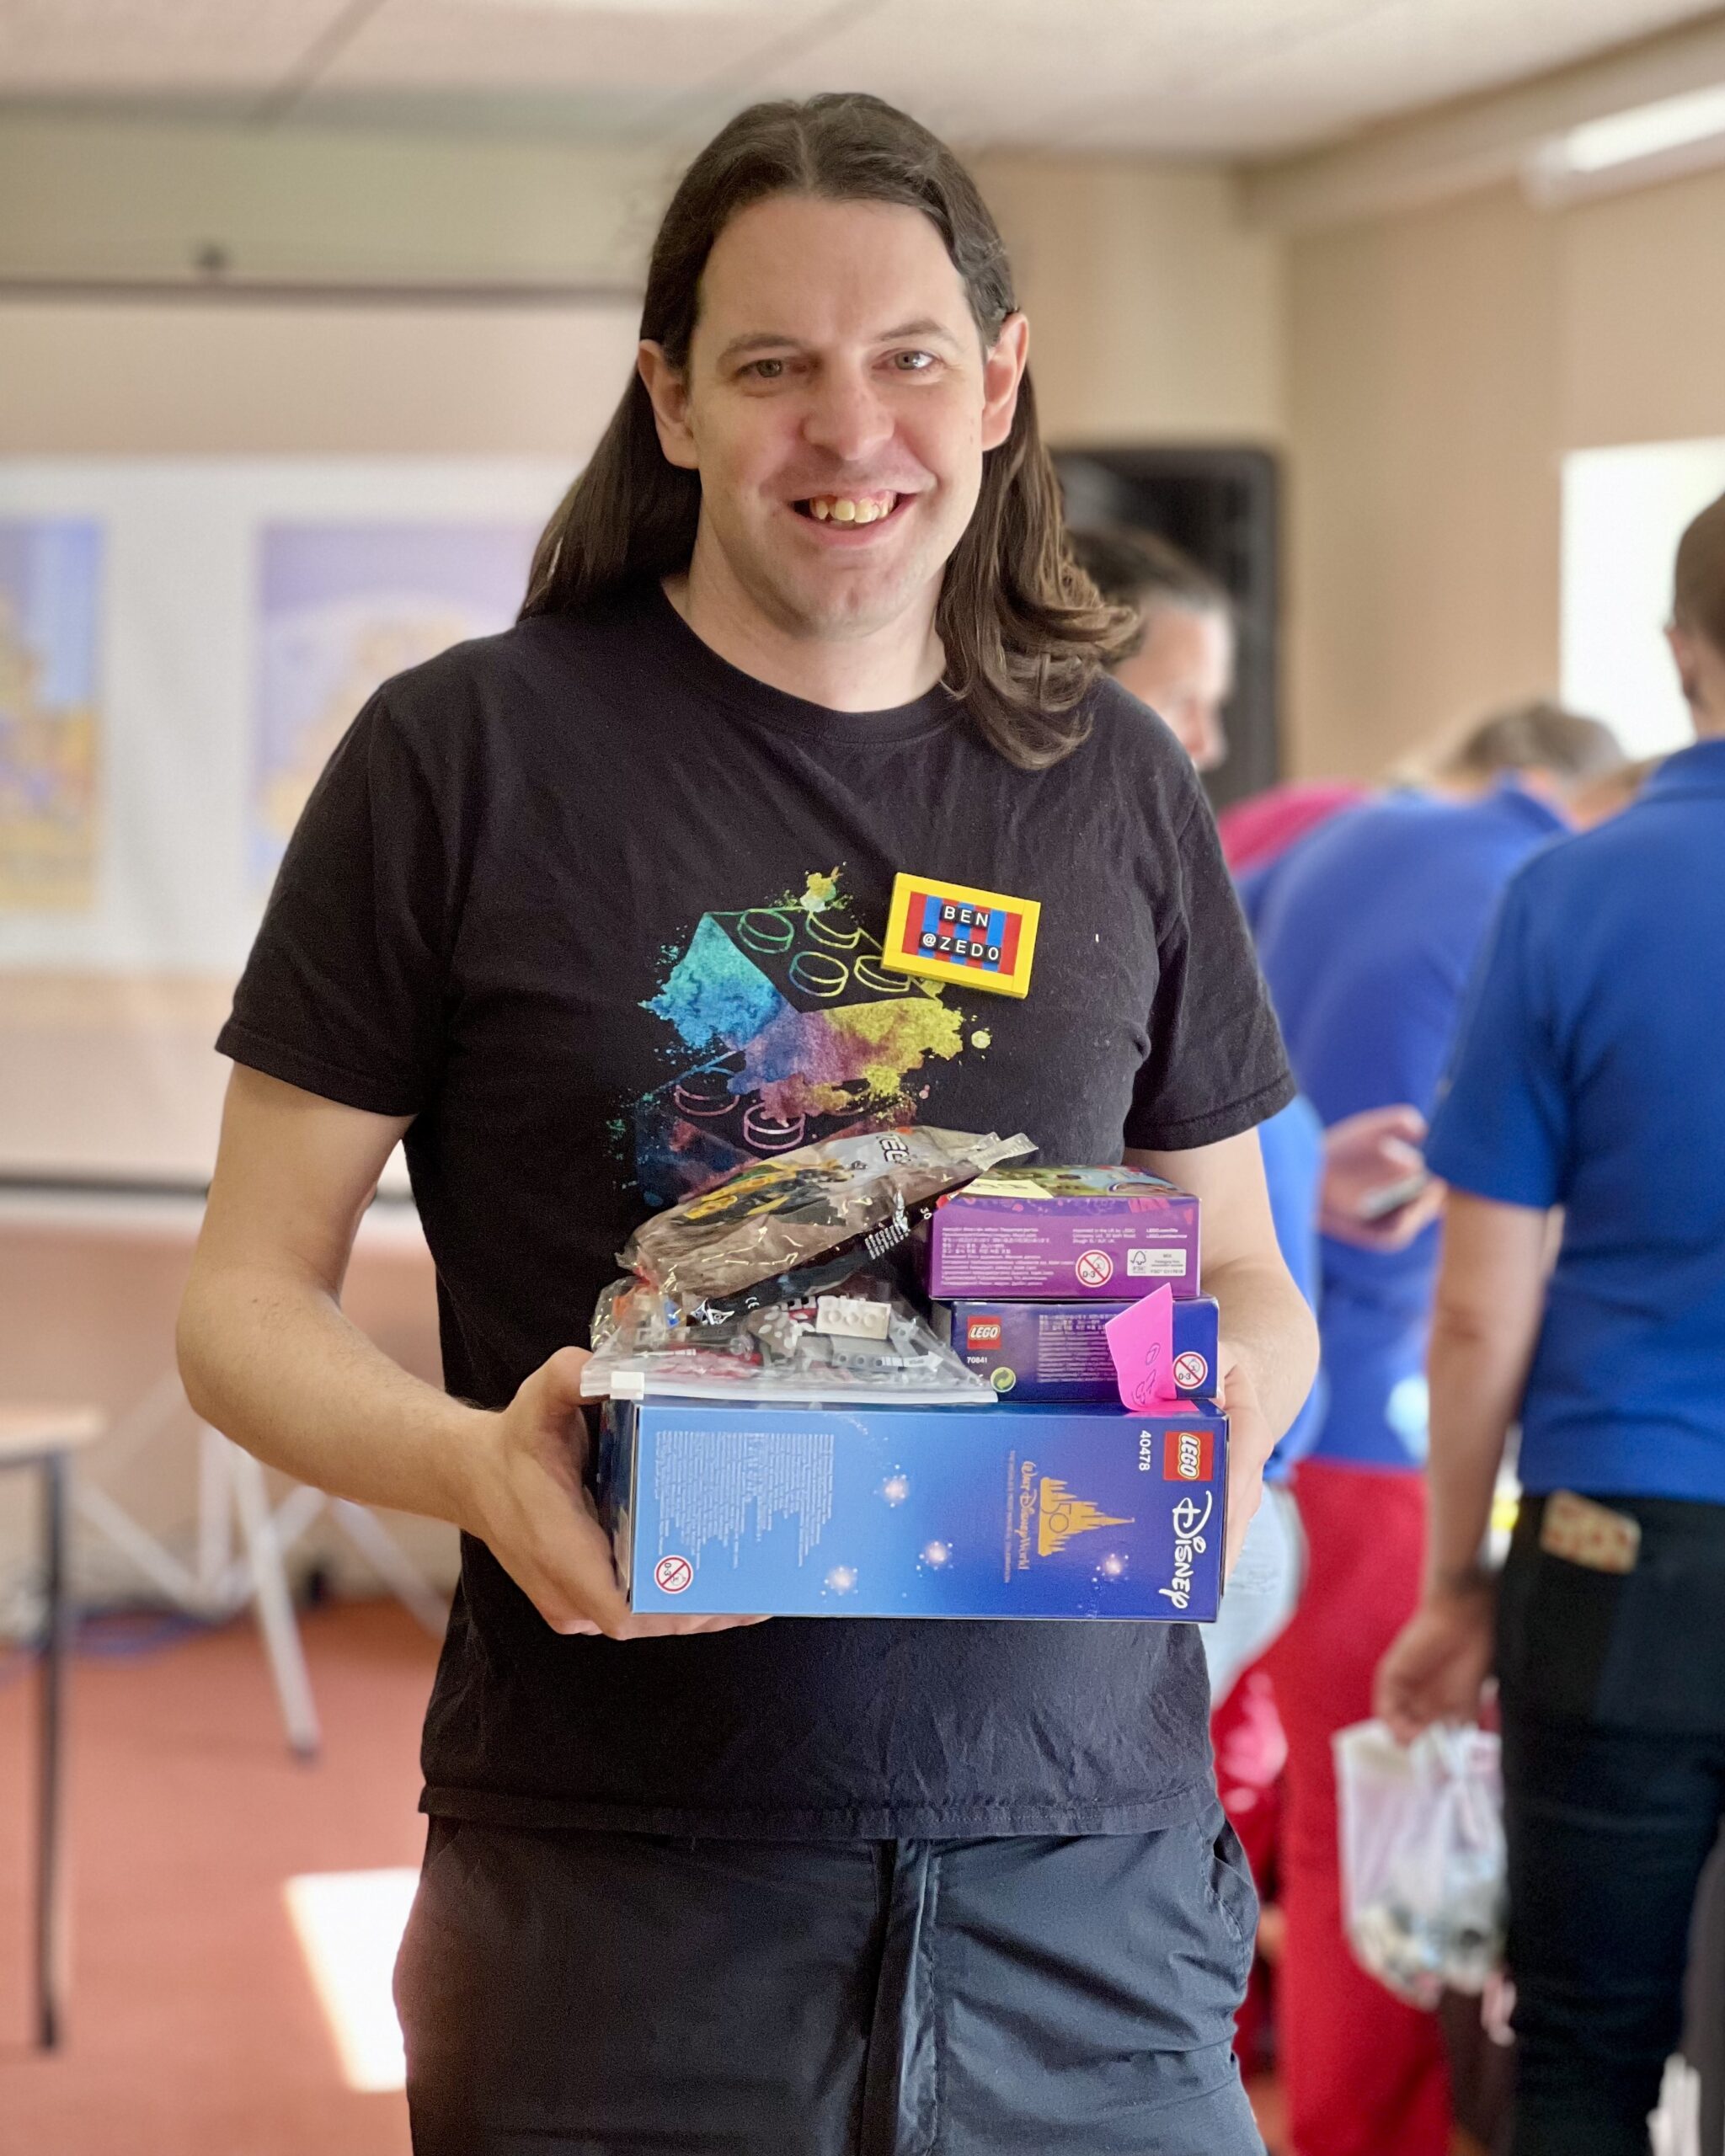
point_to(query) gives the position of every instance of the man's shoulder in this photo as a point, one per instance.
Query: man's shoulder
(544, 648)
(1574, 867)
(576, 665)
(1357, 840)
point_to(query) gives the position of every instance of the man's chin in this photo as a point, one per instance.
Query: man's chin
(849, 607)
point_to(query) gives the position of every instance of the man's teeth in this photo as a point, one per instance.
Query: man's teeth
(843, 509)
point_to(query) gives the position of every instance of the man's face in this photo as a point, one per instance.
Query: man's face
(1184, 671)
(837, 404)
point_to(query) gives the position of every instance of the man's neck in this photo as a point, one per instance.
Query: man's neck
(891, 666)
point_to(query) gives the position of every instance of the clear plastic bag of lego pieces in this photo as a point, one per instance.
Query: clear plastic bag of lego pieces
(861, 1195)
(1424, 1888)
(853, 1340)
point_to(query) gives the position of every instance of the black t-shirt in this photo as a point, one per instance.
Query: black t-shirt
(601, 912)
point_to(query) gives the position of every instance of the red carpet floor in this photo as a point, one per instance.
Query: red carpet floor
(194, 2029)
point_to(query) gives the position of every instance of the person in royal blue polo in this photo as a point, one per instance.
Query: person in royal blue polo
(1591, 1075)
(1367, 929)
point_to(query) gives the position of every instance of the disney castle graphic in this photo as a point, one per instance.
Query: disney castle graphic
(1061, 1516)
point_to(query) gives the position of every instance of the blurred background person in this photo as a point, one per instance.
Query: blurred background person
(1182, 663)
(1183, 668)
(1367, 928)
(1590, 1077)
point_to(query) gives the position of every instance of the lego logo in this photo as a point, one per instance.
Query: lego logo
(1188, 1456)
(983, 1332)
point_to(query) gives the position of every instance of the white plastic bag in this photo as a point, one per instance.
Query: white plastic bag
(1424, 1892)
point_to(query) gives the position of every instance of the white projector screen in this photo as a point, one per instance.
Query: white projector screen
(181, 643)
(1624, 511)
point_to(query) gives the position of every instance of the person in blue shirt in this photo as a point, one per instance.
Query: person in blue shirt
(1367, 930)
(1590, 1077)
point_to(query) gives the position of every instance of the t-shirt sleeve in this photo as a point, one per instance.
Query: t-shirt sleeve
(345, 992)
(1215, 1066)
(1502, 1125)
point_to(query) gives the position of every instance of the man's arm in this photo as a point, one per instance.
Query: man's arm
(1490, 1295)
(268, 1357)
(1269, 1338)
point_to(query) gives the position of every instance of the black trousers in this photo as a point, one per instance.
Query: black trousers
(596, 1994)
(1614, 1764)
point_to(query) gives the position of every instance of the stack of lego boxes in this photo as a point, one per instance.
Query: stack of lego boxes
(1058, 1501)
(1028, 1265)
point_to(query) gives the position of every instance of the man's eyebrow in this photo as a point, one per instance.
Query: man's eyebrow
(758, 340)
(925, 326)
(768, 340)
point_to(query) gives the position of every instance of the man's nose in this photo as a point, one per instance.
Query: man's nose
(846, 418)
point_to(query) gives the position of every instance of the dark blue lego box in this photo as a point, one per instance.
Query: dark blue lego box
(1060, 1351)
(904, 1512)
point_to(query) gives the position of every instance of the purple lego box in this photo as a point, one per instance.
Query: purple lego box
(1056, 1234)
(1059, 1351)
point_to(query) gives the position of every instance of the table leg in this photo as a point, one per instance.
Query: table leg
(274, 1603)
(50, 1874)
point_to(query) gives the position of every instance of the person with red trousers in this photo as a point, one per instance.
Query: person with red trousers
(1368, 928)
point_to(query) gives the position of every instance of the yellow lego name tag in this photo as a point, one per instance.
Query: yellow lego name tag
(980, 939)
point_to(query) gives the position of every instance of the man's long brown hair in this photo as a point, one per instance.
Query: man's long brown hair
(1023, 631)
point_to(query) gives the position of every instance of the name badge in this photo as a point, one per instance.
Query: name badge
(978, 939)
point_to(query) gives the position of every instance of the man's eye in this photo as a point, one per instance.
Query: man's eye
(913, 362)
(766, 369)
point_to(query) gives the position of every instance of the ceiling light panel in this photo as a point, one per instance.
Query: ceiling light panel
(1651, 130)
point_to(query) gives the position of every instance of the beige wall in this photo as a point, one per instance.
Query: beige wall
(1156, 312)
(1440, 363)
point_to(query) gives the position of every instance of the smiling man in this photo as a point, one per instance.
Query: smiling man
(590, 913)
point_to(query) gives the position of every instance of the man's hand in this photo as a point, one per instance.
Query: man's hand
(530, 1506)
(1437, 1666)
(1368, 1154)
(1251, 1441)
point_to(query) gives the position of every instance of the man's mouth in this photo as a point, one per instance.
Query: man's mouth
(848, 509)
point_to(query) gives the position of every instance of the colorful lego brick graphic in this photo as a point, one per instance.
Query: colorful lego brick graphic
(946, 932)
(794, 1030)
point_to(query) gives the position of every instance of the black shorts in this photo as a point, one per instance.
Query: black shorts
(594, 1994)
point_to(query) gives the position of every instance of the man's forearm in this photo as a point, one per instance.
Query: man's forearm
(270, 1360)
(1476, 1379)
(1486, 1321)
(1265, 1320)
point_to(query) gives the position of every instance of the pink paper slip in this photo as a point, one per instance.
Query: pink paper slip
(1141, 1341)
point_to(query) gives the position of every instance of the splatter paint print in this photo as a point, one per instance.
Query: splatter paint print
(793, 1031)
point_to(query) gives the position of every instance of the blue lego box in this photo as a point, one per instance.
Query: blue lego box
(1060, 1351)
(718, 1508)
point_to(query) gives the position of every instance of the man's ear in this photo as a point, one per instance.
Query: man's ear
(668, 388)
(1684, 653)
(1003, 370)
